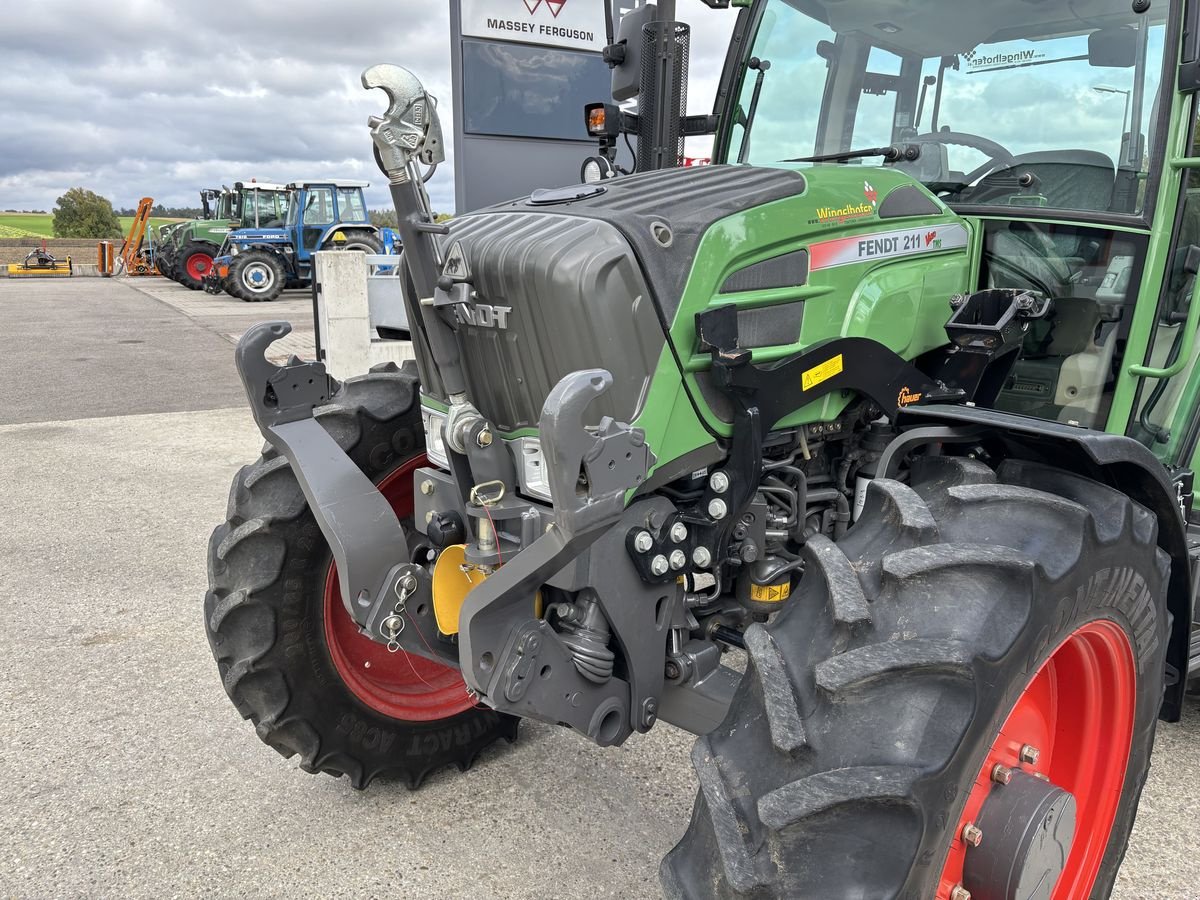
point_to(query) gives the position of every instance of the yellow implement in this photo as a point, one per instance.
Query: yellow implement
(38, 263)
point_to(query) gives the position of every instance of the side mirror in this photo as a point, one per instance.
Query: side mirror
(627, 73)
(1113, 48)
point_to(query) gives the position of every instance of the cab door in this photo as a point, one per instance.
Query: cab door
(319, 213)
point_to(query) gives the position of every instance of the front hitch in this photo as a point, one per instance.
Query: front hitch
(368, 543)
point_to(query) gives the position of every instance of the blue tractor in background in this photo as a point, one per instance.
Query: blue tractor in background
(256, 264)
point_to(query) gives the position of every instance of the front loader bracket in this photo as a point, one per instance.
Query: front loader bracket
(368, 544)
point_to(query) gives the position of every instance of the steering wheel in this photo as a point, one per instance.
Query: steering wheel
(999, 157)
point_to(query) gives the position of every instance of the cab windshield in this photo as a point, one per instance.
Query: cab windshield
(1004, 102)
(225, 206)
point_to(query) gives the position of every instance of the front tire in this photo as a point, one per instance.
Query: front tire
(194, 262)
(290, 658)
(256, 276)
(919, 653)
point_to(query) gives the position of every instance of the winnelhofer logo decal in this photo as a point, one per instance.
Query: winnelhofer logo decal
(981, 62)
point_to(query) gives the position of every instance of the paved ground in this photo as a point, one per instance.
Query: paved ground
(128, 773)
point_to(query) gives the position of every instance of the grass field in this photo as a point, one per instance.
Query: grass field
(19, 225)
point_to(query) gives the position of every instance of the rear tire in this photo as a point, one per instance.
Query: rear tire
(868, 720)
(269, 621)
(363, 241)
(256, 275)
(194, 261)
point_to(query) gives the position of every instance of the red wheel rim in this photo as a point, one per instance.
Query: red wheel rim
(198, 265)
(1078, 711)
(398, 684)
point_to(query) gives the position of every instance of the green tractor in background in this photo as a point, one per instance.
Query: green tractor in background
(900, 396)
(187, 249)
(165, 256)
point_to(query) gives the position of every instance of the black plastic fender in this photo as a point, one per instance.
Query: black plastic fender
(1112, 459)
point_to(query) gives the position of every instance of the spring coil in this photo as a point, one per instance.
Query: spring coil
(590, 653)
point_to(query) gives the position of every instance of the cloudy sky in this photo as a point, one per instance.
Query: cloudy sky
(157, 98)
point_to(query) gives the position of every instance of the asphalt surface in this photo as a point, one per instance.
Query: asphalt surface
(127, 772)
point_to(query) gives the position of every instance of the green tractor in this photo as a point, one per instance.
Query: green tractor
(166, 255)
(188, 249)
(900, 396)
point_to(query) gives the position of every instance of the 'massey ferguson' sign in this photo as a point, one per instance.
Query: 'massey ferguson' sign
(573, 24)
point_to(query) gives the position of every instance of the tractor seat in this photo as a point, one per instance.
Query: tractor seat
(1068, 179)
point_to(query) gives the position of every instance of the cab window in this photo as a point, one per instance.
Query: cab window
(318, 207)
(350, 205)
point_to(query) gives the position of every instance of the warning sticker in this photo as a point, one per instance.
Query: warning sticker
(770, 593)
(886, 245)
(823, 372)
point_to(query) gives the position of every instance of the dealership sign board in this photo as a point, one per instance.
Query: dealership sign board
(570, 24)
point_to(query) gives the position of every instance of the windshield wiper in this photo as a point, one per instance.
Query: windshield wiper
(761, 65)
(907, 152)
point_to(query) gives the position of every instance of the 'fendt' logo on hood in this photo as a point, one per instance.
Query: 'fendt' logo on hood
(483, 315)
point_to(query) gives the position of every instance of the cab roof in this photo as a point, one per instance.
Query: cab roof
(329, 182)
(259, 186)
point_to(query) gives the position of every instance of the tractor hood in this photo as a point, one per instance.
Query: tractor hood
(260, 236)
(603, 276)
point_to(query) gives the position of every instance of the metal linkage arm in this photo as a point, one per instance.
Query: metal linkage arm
(363, 532)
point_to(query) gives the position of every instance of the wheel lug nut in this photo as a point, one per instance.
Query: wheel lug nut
(1001, 774)
(1030, 754)
(972, 835)
(958, 892)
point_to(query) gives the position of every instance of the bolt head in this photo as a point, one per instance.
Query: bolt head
(643, 542)
(427, 487)
(719, 482)
(671, 670)
(679, 532)
(960, 893)
(1030, 754)
(1001, 774)
(971, 834)
(484, 438)
(702, 557)
(659, 565)
(717, 508)
(678, 559)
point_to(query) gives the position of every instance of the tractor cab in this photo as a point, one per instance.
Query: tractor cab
(259, 205)
(319, 207)
(1053, 129)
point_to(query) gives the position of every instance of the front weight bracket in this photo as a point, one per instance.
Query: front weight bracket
(368, 544)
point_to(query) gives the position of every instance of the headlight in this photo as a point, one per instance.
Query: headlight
(596, 169)
(531, 471)
(435, 438)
